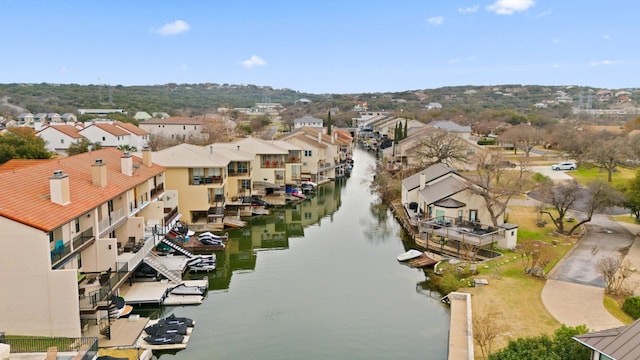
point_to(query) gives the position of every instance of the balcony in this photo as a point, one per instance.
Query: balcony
(84, 348)
(459, 230)
(112, 221)
(170, 214)
(97, 287)
(156, 191)
(239, 172)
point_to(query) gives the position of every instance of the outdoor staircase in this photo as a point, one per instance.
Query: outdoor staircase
(152, 260)
(177, 248)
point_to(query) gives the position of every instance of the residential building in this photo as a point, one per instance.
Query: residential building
(59, 137)
(276, 163)
(25, 119)
(69, 219)
(142, 116)
(621, 343)
(206, 178)
(440, 203)
(323, 156)
(180, 128)
(309, 121)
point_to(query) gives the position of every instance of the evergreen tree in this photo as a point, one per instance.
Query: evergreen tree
(329, 123)
(406, 129)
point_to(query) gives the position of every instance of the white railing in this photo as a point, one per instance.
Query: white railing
(149, 244)
(113, 218)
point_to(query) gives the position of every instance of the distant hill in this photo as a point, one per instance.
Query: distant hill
(197, 99)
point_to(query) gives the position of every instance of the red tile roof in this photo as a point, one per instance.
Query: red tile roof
(131, 128)
(25, 193)
(15, 164)
(68, 130)
(111, 129)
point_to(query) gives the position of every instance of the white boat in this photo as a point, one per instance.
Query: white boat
(183, 289)
(411, 254)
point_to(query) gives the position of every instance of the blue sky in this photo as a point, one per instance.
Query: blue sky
(329, 46)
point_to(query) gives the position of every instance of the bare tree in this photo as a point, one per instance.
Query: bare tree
(597, 196)
(441, 146)
(575, 143)
(561, 198)
(524, 137)
(486, 329)
(615, 273)
(609, 150)
(497, 185)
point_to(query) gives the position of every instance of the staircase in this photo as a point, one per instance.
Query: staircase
(177, 248)
(152, 260)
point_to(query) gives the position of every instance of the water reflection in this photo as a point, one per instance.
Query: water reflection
(273, 231)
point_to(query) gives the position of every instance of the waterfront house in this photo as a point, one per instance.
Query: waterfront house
(207, 177)
(621, 343)
(440, 205)
(323, 155)
(73, 231)
(276, 163)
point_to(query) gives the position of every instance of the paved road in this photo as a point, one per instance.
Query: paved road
(553, 175)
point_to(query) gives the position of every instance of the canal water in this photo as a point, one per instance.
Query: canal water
(318, 280)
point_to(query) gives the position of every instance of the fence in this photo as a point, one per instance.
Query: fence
(40, 345)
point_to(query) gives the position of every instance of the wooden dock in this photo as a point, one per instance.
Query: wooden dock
(195, 246)
(425, 260)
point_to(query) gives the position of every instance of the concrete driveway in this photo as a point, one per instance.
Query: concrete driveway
(603, 238)
(574, 290)
(553, 175)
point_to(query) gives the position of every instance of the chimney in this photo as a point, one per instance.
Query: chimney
(423, 180)
(146, 156)
(59, 188)
(99, 173)
(126, 164)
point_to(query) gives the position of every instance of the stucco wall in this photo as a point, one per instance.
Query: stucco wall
(35, 300)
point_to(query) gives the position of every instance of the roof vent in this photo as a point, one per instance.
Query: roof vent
(98, 161)
(58, 174)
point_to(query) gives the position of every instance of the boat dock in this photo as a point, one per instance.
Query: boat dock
(195, 246)
(425, 260)
(158, 292)
(460, 327)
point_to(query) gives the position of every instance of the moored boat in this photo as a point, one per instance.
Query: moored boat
(411, 254)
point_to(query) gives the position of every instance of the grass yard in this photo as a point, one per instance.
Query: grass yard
(513, 296)
(586, 174)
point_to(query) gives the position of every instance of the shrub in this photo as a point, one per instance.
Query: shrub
(631, 306)
(487, 142)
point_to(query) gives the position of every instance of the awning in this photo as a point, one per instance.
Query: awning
(450, 203)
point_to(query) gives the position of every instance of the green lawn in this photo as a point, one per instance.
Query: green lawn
(586, 174)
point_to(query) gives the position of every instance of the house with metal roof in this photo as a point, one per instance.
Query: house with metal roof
(68, 221)
(309, 121)
(440, 203)
(620, 343)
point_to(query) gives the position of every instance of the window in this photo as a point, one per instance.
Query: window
(246, 184)
(77, 223)
(307, 153)
(104, 139)
(184, 127)
(61, 141)
(473, 215)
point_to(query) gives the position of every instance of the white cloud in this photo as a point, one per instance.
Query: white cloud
(253, 61)
(605, 62)
(436, 20)
(174, 28)
(508, 7)
(555, 66)
(555, 41)
(468, 10)
(455, 61)
(606, 37)
(183, 67)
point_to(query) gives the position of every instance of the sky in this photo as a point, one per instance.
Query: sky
(328, 46)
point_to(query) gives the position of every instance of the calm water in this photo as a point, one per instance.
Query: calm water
(318, 281)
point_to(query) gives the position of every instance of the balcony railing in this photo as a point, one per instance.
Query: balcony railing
(461, 230)
(157, 190)
(239, 172)
(169, 214)
(65, 345)
(83, 238)
(106, 282)
(113, 218)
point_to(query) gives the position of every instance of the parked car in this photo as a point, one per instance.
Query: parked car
(564, 166)
(501, 164)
